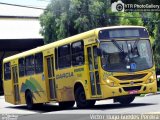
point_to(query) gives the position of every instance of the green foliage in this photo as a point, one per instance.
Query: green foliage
(47, 26)
(54, 20)
(130, 18)
(156, 45)
(152, 22)
(64, 18)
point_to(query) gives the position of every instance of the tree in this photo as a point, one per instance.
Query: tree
(54, 20)
(64, 18)
(130, 18)
(156, 43)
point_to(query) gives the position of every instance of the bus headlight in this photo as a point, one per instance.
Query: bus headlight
(111, 83)
(151, 79)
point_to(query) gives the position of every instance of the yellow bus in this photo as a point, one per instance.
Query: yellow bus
(103, 63)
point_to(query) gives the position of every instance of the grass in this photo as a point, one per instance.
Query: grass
(142, 95)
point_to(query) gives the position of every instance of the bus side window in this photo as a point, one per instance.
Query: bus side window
(78, 53)
(7, 71)
(95, 57)
(56, 58)
(29, 65)
(38, 63)
(64, 56)
(21, 67)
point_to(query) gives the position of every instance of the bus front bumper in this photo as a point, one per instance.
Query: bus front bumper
(137, 89)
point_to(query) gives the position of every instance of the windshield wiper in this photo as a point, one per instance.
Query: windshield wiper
(134, 50)
(135, 43)
(117, 45)
(122, 53)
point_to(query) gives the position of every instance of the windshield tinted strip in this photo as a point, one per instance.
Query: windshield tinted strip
(123, 33)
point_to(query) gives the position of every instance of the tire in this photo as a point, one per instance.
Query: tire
(66, 105)
(81, 99)
(29, 100)
(125, 100)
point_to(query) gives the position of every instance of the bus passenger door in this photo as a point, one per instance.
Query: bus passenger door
(93, 70)
(51, 77)
(15, 84)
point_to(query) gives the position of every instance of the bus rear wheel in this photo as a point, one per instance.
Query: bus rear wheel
(125, 100)
(29, 100)
(66, 105)
(81, 99)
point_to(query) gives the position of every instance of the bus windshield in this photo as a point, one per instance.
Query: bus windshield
(126, 56)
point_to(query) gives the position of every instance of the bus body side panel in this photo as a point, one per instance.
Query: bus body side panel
(36, 84)
(82, 76)
(65, 84)
(41, 95)
(66, 80)
(22, 80)
(8, 91)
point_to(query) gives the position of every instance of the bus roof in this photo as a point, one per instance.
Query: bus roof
(121, 26)
(63, 42)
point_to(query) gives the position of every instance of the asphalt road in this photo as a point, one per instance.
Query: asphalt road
(141, 105)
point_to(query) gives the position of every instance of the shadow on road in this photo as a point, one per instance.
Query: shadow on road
(119, 106)
(41, 109)
(54, 108)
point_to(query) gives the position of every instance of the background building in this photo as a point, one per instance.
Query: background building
(19, 30)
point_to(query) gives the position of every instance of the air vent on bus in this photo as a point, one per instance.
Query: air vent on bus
(126, 83)
(131, 88)
(130, 77)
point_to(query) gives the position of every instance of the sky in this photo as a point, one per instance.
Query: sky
(11, 10)
(33, 3)
(15, 28)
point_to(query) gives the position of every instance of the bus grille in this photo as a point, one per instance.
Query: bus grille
(130, 83)
(130, 77)
(132, 88)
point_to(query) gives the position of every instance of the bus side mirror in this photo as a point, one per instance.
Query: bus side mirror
(99, 52)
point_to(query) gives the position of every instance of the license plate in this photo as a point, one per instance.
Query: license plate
(133, 92)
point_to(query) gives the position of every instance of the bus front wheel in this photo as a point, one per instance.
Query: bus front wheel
(29, 100)
(81, 99)
(125, 99)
